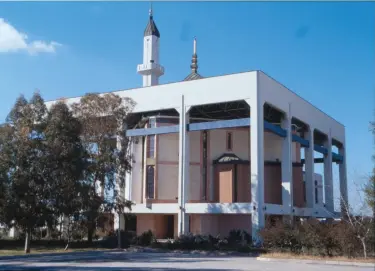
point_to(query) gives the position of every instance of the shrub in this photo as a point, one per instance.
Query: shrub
(239, 237)
(146, 238)
(314, 238)
(111, 241)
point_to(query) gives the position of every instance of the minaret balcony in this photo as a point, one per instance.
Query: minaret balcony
(150, 68)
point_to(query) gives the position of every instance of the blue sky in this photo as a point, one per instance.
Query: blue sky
(324, 51)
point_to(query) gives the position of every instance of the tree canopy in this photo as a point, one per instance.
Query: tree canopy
(52, 159)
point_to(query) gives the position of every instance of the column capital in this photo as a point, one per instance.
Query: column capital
(186, 109)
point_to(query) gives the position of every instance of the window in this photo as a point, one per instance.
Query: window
(229, 141)
(150, 182)
(150, 146)
(152, 123)
(316, 192)
(151, 140)
(204, 169)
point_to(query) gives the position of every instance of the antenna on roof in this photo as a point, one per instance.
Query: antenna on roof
(195, 46)
(150, 10)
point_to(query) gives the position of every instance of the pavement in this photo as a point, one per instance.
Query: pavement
(142, 261)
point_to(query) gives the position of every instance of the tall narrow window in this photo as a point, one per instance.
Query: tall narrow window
(235, 187)
(316, 192)
(151, 140)
(229, 141)
(151, 146)
(204, 169)
(150, 182)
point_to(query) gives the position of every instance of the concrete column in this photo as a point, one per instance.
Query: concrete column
(183, 168)
(119, 221)
(128, 175)
(13, 232)
(120, 187)
(286, 166)
(344, 201)
(309, 170)
(257, 167)
(328, 183)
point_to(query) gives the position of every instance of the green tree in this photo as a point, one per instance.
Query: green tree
(24, 163)
(66, 163)
(104, 119)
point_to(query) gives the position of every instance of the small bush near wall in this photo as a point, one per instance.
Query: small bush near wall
(239, 237)
(238, 240)
(146, 238)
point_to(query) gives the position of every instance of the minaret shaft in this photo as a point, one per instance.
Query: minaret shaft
(151, 70)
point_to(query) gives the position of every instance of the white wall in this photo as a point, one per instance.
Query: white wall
(273, 147)
(276, 94)
(242, 86)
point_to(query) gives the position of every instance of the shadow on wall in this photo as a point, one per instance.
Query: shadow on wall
(214, 208)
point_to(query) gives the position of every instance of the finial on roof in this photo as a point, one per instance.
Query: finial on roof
(150, 10)
(195, 46)
(194, 75)
(194, 60)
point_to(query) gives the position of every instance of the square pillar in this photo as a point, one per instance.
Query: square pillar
(119, 222)
(286, 167)
(129, 175)
(309, 171)
(328, 182)
(344, 201)
(257, 167)
(183, 168)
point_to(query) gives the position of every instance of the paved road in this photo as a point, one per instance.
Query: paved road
(135, 261)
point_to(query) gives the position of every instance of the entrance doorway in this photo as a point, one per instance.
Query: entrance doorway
(170, 226)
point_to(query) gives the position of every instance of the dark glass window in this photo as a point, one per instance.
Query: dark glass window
(151, 146)
(204, 169)
(316, 192)
(150, 182)
(229, 141)
(151, 140)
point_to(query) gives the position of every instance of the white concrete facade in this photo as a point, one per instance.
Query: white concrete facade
(178, 187)
(256, 88)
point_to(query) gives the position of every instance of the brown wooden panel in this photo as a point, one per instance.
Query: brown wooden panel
(243, 183)
(298, 187)
(272, 184)
(224, 183)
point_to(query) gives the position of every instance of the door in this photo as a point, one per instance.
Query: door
(170, 226)
(224, 183)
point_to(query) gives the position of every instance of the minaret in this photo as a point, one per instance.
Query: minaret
(151, 70)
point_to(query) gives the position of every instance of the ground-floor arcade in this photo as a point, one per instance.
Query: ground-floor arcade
(278, 187)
